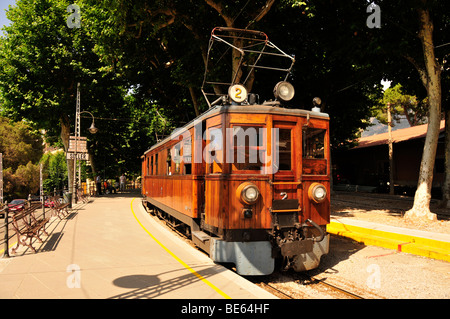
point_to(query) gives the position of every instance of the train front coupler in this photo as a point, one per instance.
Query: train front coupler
(304, 253)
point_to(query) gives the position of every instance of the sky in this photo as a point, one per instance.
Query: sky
(3, 6)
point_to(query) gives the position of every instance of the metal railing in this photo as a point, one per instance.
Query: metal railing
(6, 211)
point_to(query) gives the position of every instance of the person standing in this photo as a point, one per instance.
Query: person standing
(123, 180)
(98, 180)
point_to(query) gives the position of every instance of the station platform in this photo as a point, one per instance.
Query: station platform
(417, 242)
(111, 248)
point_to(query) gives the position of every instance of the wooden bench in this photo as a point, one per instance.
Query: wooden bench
(58, 206)
(26, 224)
(82, 197)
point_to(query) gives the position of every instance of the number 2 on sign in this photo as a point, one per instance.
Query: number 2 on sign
(238, 93)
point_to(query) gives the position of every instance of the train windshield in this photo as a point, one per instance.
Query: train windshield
(314, 143)
(284, 148)
(248, 148)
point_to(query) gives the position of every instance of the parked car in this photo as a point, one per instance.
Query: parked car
(16, 205)
(49, 203)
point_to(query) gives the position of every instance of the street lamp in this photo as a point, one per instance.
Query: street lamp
(91, 129)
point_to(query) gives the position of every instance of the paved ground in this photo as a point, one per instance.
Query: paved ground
(110, 248)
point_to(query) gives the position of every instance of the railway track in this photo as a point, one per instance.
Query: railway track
(304, 286)
(311, 280)
(287, 285)
(275, 291)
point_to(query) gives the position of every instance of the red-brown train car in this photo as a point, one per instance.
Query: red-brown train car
(249, 182)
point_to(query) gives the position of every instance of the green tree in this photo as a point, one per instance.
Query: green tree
(407, 48)
(402, 105)
(21, 148)
(19, 143)
(161, 46)
(22, 182)
(41, 61)
(55, 171)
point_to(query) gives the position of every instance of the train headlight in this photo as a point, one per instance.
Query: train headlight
(284, 91)
(247, 193)
(317, 192)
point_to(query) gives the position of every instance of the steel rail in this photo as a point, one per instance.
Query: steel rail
(314, 280)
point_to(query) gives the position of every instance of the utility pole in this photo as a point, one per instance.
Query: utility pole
(77, 135)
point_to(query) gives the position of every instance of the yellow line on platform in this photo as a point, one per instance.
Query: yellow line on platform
(9, 247)
(178, 259)
(405, 243)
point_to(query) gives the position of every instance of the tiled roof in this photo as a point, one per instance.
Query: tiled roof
(401, 135)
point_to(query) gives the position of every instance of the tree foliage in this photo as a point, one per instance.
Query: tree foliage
(161, 48)
(403, 105)
(54, 171)
(41, 62)
(19, 143)
(21, 149)
(141, 63)
(22, 182)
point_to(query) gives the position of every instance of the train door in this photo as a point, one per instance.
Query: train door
(213, 167)
(286, 180)
(198, 169)
(316, 171)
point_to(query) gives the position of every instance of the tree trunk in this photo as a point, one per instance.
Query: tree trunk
(65, 134)
(194, 100)
(431, 78)
(230, 22)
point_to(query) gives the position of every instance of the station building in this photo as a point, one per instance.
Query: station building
(367, 164)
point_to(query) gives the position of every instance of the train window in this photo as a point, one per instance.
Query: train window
(187, 152)
(169, 163)
(156, 164)
(314, 143)
(284, 146)
(148, 166)
(187, 156)
(213, 152)
(248, 148)
(151, 166)
(176, 157)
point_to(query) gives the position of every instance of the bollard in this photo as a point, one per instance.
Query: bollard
(5, 223)
(43, 206)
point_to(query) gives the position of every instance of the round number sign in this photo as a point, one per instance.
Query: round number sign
(238, 93)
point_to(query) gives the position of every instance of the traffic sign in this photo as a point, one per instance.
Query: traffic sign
(80, 156)
(81, 144)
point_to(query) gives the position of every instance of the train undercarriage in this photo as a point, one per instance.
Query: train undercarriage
(253, 252)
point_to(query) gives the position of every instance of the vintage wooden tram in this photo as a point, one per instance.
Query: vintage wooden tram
(248, 181)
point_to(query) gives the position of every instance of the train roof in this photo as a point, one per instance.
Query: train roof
(257, 109)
